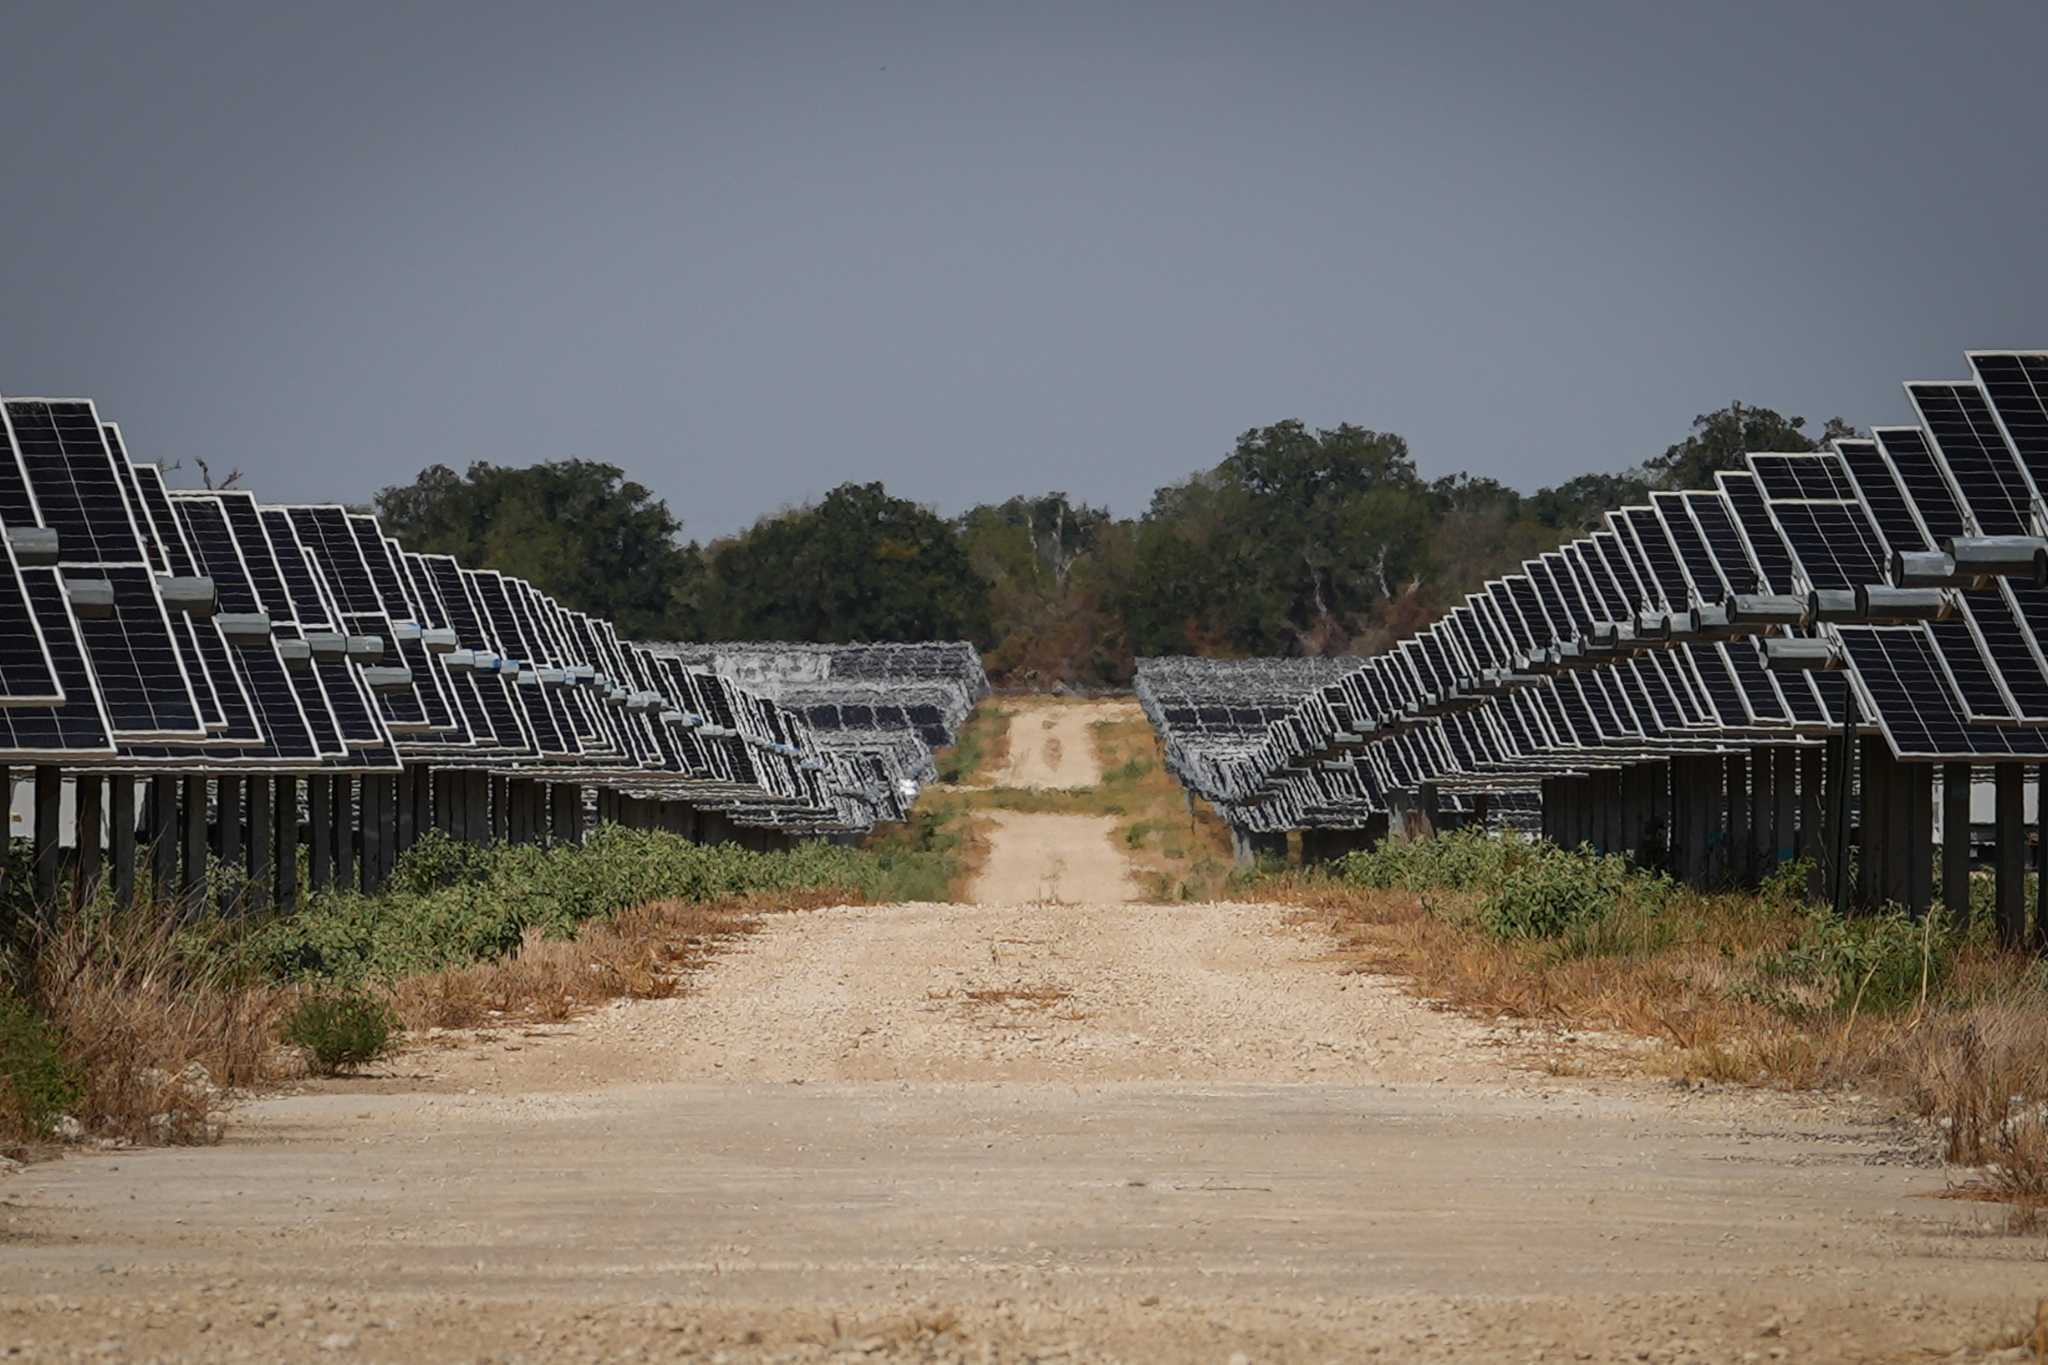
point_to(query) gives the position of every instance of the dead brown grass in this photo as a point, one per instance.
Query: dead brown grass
(1044, 995)
(160, 1033)
(1971, 1056)
(644, 954)
(156, 1032)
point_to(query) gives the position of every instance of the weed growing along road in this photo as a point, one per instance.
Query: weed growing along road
(1140, 1131)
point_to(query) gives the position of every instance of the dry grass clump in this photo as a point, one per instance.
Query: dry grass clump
(640, 954)
(156, 1017)
(1042, 995)
(1747, 989)
(155, 1027)
(1961, 1039)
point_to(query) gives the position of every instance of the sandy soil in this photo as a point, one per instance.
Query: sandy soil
(1035, 859)
(1031, 1130)
(1050, 746)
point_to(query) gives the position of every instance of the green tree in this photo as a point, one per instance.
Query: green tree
(1290, 545)
(578, 529)
(858, 565)
(1049, 566)
(1721, 438)
(1576, 505)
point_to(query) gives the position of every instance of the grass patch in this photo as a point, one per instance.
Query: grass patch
(134, 1024)
(937, 852)
(980, 750)
(1753, 988)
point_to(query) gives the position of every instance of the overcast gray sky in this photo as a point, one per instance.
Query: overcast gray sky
(751, 251)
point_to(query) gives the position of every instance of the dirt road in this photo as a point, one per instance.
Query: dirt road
(1050, 746)
(1030, 1129)
(1052, 858)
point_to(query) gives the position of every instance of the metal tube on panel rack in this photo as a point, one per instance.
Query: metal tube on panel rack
(2009, 857)
(1813, 822)
(501, 815)
(344, 814)
(370, 865)
(2040, 935)
(261, 852)
(1916, 811)
(195, 851)
(1735, 858)
(1955, 843)
(227, 831)
(388, 805)
(85, 824)
(47, 830)
(407, 783)
(1762, 772)
(1872, 807)
(320, 832)
(1785, 804)
(163, 836)
(121, 836)
(285, 885)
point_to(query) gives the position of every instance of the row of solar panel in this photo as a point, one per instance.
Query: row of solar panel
(145, 628)
(1653, 636)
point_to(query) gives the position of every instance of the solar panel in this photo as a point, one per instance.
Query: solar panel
(383, 569)
(166, 529)
(285, 735)
(1983, 649)
(1702, 573)
(1985, 471)
(1715, 522)
(1655, 554)
(151, 549)
(2015, 384)
(1537, 621)
(1929, 494)
(326, 534)
(1760, 535)
(1882, 494)
(28, 675)
(136, 662)
(78, 726)
(509, 729)
(429, 682)
(257, 550)
(71, 472)
(496, 611)
(1834, 543)
(1787, 478)
(1896, 673)
(310, 607)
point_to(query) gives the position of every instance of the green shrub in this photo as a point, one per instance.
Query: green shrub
(450, 905)
(1877, 958)
(1551, 893)
(1785, 887)
(1461, 860)
(1126, 773)
(37, 1081)
(341, 1031)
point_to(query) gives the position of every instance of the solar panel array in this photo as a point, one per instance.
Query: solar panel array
(1897, 583)
(874, 709)
(205, 634)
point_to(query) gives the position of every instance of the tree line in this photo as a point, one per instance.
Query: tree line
(1299, 541)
